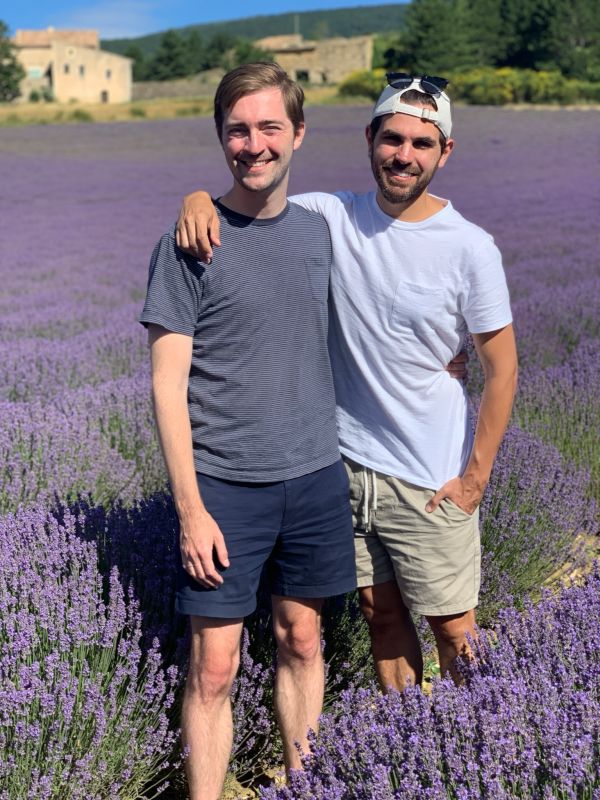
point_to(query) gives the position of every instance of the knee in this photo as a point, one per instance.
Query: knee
(382, 618)
(299, 642)
(454, 631)
(210, 678)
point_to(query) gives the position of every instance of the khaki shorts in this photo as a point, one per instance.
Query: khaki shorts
(435, 558)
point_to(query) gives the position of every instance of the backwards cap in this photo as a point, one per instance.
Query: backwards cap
(390, 102)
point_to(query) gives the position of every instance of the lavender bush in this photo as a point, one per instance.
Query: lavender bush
(532, 513)
(256, 746)
(83, 712)
(44, 367)
(526, 724)
(550, 325)
(98, 441)
(561, 405)
(141, 542)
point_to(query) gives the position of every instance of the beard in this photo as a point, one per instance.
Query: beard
(394, 193)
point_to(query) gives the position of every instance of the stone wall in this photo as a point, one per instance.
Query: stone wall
(324, 61)
(202, 85)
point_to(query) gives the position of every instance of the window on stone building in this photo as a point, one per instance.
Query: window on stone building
(302, 75)
(104, 97)
(108, 74)
(66, 69)
(81, 70)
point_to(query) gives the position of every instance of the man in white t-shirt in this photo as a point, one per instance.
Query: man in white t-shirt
(410, 279)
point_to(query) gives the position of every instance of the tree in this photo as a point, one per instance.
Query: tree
(140, 67)
(244, 52)
(11, 70)
(570, 39)
(171, 60)
(448, 35)
(196, 52)
(490, 31)
(388, 51)
(215, 48)
(437, 37)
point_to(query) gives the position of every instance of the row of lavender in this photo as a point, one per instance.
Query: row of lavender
(79, 216)
(526, 724)
(85, 699)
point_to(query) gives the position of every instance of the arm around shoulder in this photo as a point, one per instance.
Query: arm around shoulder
(198, 226)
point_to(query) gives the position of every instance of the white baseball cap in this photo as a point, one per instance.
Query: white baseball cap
(390, 102)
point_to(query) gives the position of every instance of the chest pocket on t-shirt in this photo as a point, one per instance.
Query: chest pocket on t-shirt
(416, 307)
(317, 268)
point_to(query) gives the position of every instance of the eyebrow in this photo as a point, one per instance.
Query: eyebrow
(261, 123)
(396, 135)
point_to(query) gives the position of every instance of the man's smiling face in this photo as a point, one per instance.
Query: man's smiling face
(259, 139)
(405, 154)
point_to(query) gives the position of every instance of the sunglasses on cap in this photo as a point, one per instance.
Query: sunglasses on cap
(431, 85)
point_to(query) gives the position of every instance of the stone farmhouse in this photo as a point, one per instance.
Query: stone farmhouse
(323, 61)
(69, 66)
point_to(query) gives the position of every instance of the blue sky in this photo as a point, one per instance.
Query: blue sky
(121, 18)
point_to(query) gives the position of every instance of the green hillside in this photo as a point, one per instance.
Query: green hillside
(311, 24)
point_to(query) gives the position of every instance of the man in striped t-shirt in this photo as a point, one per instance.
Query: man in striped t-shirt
(245, 409)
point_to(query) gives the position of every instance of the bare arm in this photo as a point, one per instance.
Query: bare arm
(200, 536)
(498, 355)
(198, 226)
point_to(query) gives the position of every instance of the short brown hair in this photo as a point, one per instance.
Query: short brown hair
(251, 78)
(413, 98)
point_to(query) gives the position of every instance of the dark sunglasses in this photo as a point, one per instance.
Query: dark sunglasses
(431, 85)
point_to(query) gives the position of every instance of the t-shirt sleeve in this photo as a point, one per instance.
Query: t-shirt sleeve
(321, 202)
(174, 288)
(486, 303)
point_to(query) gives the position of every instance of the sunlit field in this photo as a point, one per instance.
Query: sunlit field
(92, 656)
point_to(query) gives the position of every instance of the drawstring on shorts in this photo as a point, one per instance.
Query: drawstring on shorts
(369, 500)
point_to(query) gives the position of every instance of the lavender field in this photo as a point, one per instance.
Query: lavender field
(91, 655)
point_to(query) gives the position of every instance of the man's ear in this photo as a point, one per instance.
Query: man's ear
(299, 135)
(369, 139)
(446, 152)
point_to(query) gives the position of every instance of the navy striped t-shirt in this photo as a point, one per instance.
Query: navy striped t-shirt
(260, 396)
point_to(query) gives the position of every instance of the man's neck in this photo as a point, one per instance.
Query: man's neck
(258, 205)
(417, 210)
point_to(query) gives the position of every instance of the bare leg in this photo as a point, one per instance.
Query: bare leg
(451, 638)
(394, 640)
(206, 722)
(300, 677)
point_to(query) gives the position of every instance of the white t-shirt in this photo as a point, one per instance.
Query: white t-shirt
(403, 297)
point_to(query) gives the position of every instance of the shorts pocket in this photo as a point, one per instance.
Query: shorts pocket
(454, 509)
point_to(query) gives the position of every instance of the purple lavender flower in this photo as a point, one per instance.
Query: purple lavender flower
(533, 509)
(83, 712)
(561, 405)
(526, 724)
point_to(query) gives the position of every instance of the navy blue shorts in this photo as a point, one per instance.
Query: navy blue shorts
(299, 530)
